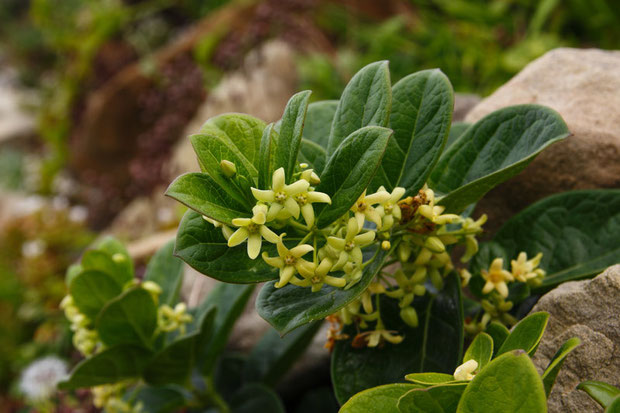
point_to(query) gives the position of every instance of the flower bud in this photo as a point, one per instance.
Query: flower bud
(386, 245)
(434, 244)
(228, 168)
(436, 278)
(409, 316)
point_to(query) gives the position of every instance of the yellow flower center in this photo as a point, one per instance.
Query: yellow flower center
(496, 277)
(316, 279)
(388, 208)
(290, 260)
(301, 199)
(349, 246)
(361, 206)
(253, 227)
(280, 197)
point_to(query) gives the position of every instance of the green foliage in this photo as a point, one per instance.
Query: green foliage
(603, 393)
(507, 383)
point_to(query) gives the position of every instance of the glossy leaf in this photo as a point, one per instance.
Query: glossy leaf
(578, 233)
(421, 115)
(266, 159)
(313, 154)
(436, 345)
(273, 355)
(365, 101)
(552, 370)
(243, 131)
(349, 171)
(167, 271)
(603, 393)
(381, 399)
(205, 249)
(112, 365)
(494, 149)
(91, 290)
(456, 131)
(116, 249)
(480, 350)
(230, 301)
(319, 121)
(498, 333)
(509, 383)
(436, 399)
(102, 261)
(526, 334)
(291, 129)
(201, 193)
(430, 379)
(130, 318)
(254, 398)
(289, 307)
(211, 151)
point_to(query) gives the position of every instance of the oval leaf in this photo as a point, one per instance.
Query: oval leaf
(91, 290)
(437, 399)
(509, 383)
(102, 261)
(204, 248)
(603, 393)
(421, 115)
(242, 131)
(526, 334)
(130, 318)
(436, 345)
(291, 130)
(498, 333)
(166, 270)
(365, 101)
(202, 194)
(381, 399)
(480, 350)
(319, 121)
(313, 154)
(116, 249)
(494, 149)
(552, 370)
(349, 171)
(430, 379)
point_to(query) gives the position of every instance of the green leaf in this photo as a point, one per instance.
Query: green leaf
(73, 271)
(480, 350)
(164, 399)
(614, 407)
(267, 156)
(498, 333)
(289, 307)
(273, 355)
(430, 379)
(211, 151)
(365, 101)
(456, 131)
(603, 393)
(91, 290)
(230, 301)
(130, 318)
(254, 398)
(242, 131)
(421, 115)
(552, 370)
(202, 194)
(112, 365)
(313, 154)
(166, 270)
(381, 399)
(319, 121)
(349, 171)
(494, 149)
(509, 383)
(437, 399)
(228, 373)
(436, 345)
(578, 233)
(102, 261)
(526, 334)
(291, 130)
(115, 249)
(174, 363)
(205, 249)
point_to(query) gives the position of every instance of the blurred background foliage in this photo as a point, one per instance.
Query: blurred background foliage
(67, 51)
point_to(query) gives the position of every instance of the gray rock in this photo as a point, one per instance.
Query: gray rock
(582, 85)
(589, 310)
(463, 104)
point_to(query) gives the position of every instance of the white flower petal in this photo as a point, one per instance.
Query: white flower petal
(314, 196)
(254, 243)
(364, 239)
(301, 250)
(268, 234)
(238, 237)
(292, 207)
(278, 180)
(296, 187)
(264, 195)
(307, 211)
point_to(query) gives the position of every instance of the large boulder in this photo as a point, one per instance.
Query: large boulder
(589, 310)
(582, 85)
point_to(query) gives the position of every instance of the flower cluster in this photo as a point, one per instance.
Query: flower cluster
(85, 339)
(110, 398)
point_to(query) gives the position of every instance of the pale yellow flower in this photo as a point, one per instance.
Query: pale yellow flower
(374, 338)
(305, 201)
(253, 230)
(434, 213)
(496, 278)
(364, 210)
(319, 277)
(281, 196)
(290, 262)
(349, 248)
(389, 209)
(465, 372)
(524, 269)
(171, 319)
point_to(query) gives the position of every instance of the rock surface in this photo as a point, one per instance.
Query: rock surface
(582, 85)
(589, 310)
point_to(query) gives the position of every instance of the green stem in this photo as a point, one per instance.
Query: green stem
(305, 238)
(298, 225)
(214, 397)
